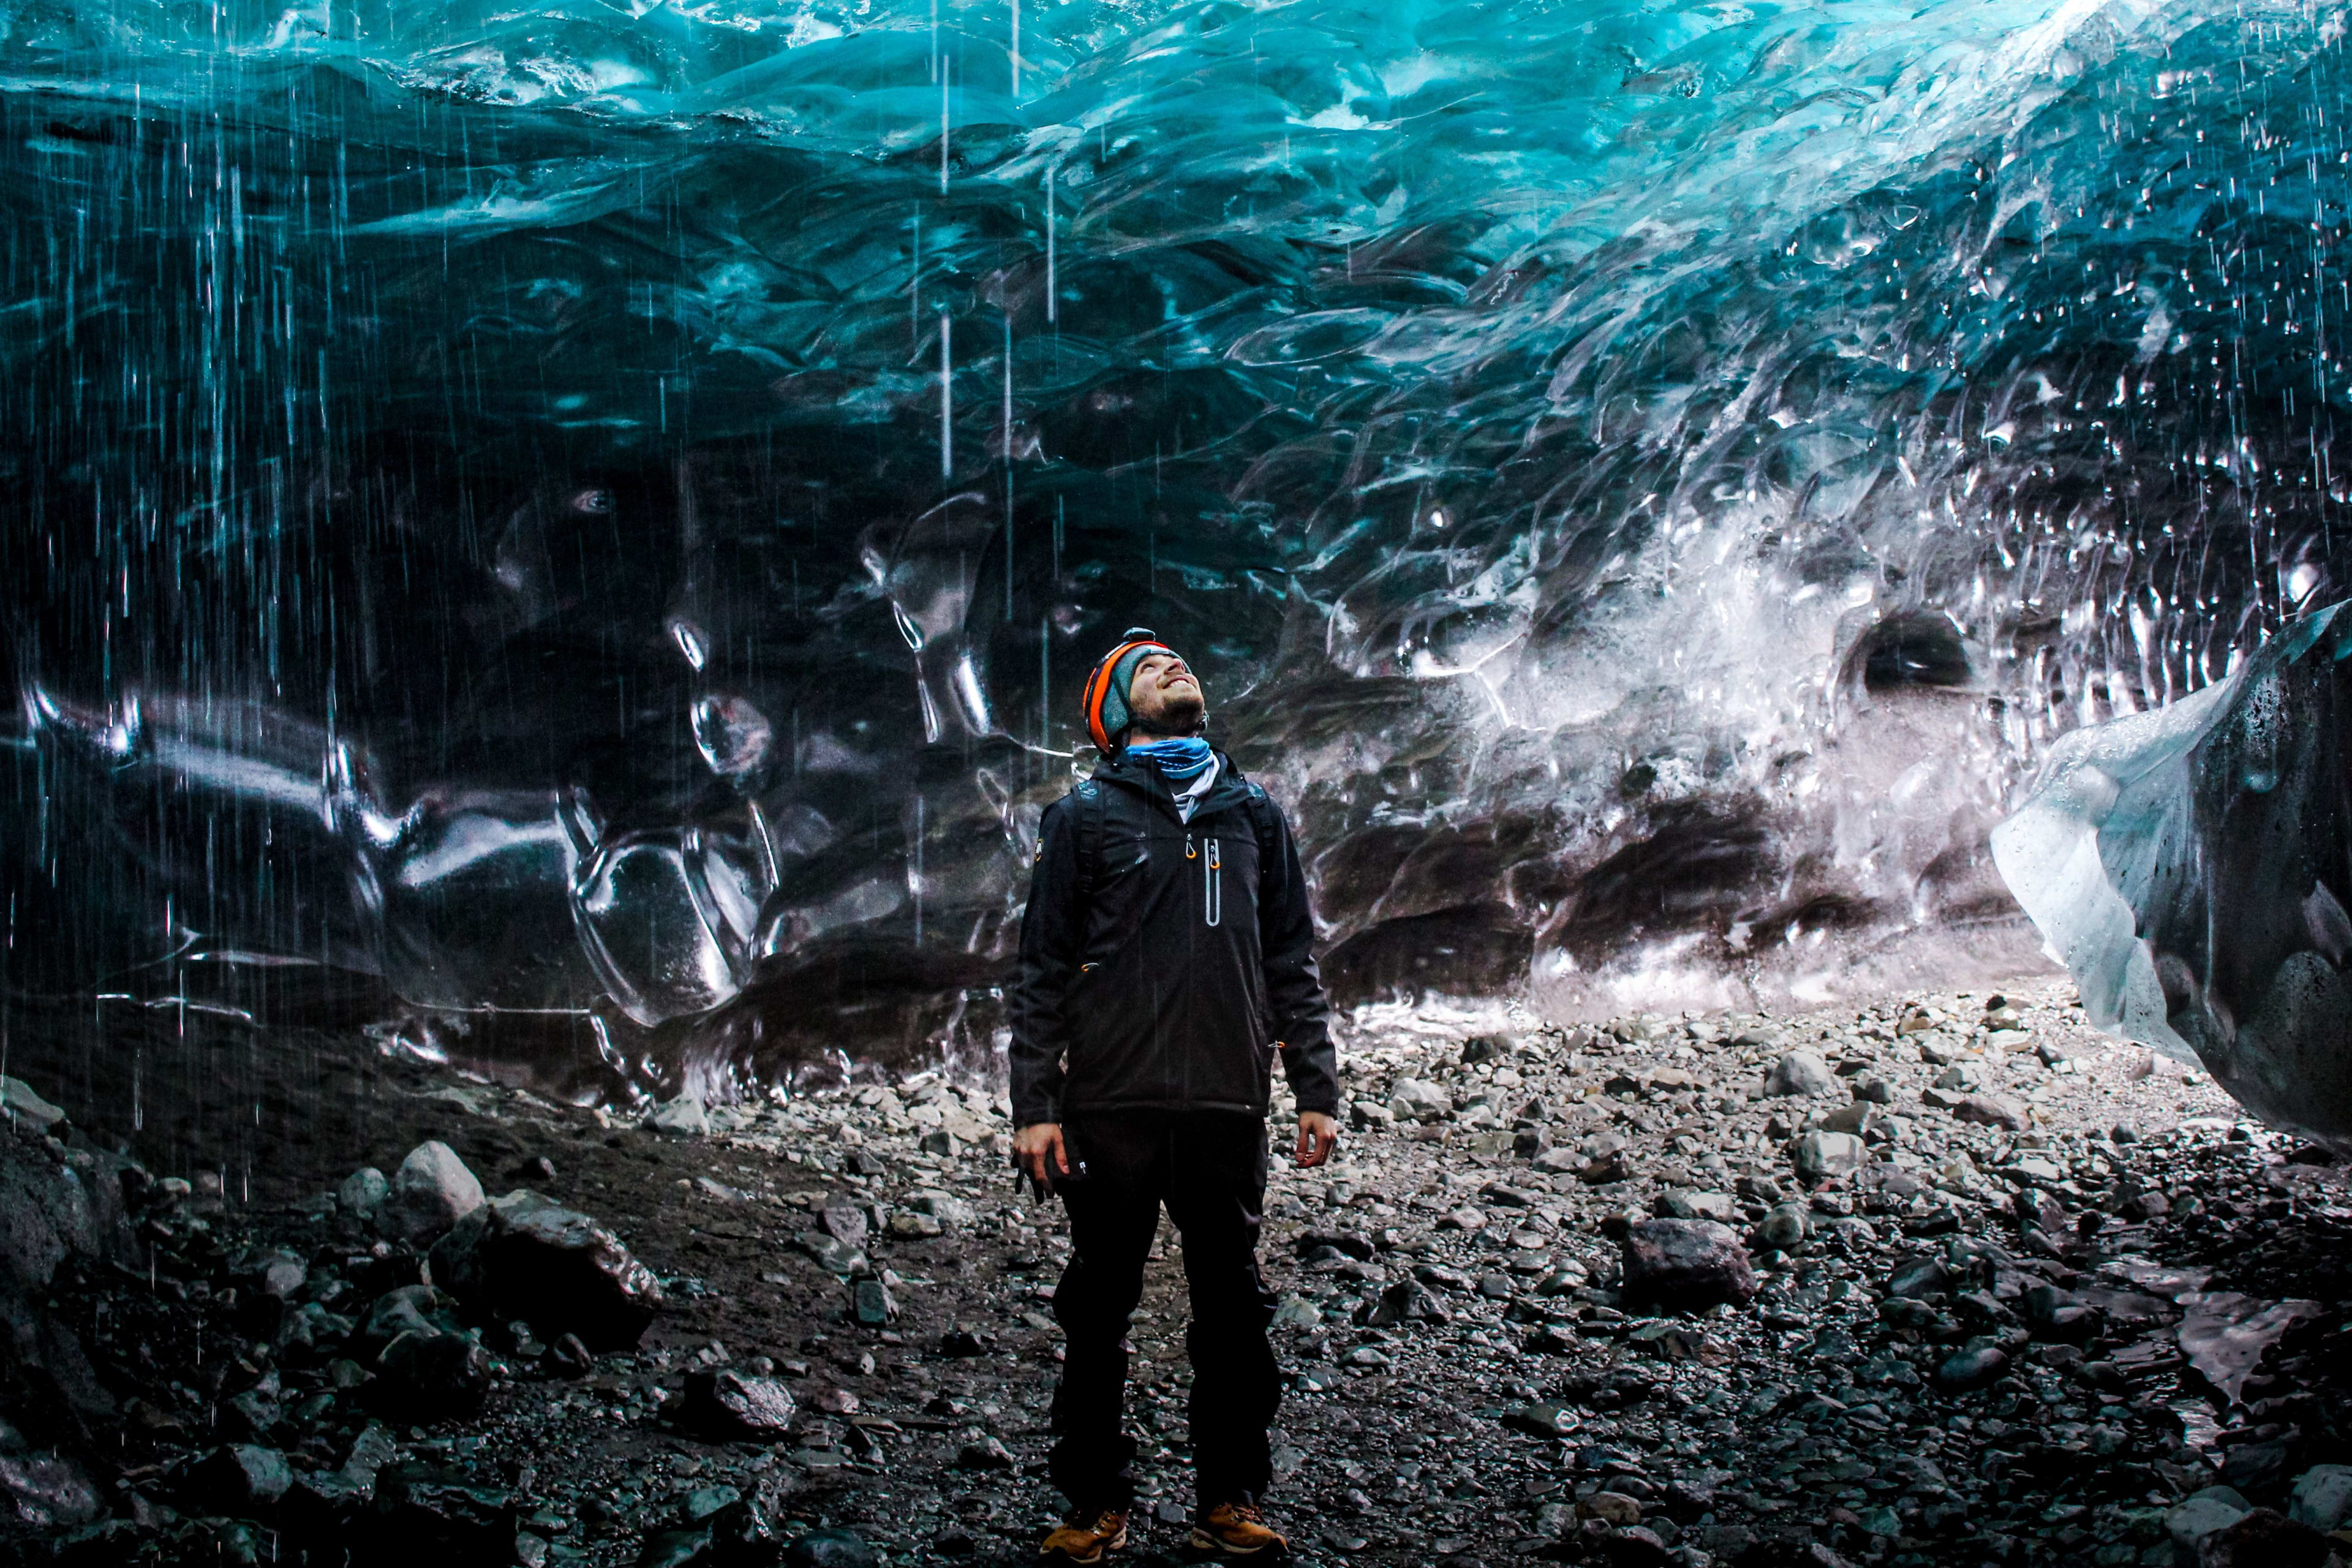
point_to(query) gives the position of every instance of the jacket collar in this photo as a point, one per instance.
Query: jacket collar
(1143, 779)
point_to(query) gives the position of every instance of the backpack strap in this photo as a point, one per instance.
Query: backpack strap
(1091, 810)
(1262, 826)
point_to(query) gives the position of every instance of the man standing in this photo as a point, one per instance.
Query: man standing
(1165, 958)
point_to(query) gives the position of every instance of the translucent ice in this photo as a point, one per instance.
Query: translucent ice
(2190, 867)
(590, 506)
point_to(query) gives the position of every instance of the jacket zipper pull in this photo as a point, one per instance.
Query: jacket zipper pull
(1190, 853)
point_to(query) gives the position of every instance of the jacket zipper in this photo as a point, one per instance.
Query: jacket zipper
(1213, 906)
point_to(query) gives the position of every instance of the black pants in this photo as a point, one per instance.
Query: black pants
(1210, 1170)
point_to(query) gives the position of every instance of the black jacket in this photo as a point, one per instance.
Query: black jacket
(1167, 978)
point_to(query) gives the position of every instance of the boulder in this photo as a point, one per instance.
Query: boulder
(362, 1192)
(425, 1514)
(417, 1308)
(1989, 1111)
(727, 1405)
(1784, 1226)
(26, 1109)
(431, 1192)
(1684, 1264)
(423, 1377)
(2201, 1513)
(835, 1548)
(238, 1479)
(1797, 1073)
(2323, 1496)
(1416, 1100)
(1973, 1365)
(845, 1223)
(323, 1506)
(526, 1257)
(47, 1489)
(872, 1303)
(2264, 1538)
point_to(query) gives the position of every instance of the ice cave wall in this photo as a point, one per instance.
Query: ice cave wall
(559, 506)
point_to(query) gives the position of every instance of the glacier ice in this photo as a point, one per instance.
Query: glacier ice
(2190, 866)
(599, 513)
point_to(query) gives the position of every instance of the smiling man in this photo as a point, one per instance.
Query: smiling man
(1166, 960)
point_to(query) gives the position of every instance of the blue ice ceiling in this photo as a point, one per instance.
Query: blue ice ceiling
(591, 507)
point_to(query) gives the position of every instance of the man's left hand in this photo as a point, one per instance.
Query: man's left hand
(1317, 1135)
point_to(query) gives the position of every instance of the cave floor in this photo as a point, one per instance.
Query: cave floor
(2043, 1312)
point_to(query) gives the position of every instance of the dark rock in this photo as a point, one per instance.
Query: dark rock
(1973, 1365)
(830, 1549)
(1483, 1048)
(1637, 1547)
(1407, 1301)
(2263, 1537)
(425, 1514)
(690, 1547)
(1989, 1111)
(1540, 1420)
(527, 1257)
(411, 1309)
(1925, 1277)
(1603, 1169)
(873, 1304)
(987, 1454)
(1345, 1242)
(961, 1341)
(236, 1479)
(322, 1505)
(728, 1404)
(1684, 1264)
(423, 1377)
(2261, 1468)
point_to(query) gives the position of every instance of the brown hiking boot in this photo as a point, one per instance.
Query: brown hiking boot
(1236, 1530)
(1084, 1537)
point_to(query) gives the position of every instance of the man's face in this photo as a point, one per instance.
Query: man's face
(1164, 698)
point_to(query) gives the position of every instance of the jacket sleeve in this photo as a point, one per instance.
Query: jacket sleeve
(1294, 985)
(1051, 939)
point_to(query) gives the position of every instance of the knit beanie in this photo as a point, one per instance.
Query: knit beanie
(1104, 696)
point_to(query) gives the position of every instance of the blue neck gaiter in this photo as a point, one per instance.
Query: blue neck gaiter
(1180, 760)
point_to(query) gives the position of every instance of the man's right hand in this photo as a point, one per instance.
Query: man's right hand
(1038, 1149)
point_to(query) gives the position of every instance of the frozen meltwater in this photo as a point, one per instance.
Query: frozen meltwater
(2191, 867)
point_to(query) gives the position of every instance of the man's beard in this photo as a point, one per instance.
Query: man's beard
(1179, 712)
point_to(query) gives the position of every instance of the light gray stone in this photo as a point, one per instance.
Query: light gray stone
(1684, 1203)
(1416, 1100)
(2200, 1514)
(684, 1117)
(26, 1108)
(431, 1192)
(1799, 1072)
(1825, 1154)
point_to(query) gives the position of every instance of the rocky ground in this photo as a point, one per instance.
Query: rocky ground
(1950, 1280)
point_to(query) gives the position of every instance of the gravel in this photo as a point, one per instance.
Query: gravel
(1958, 1339)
